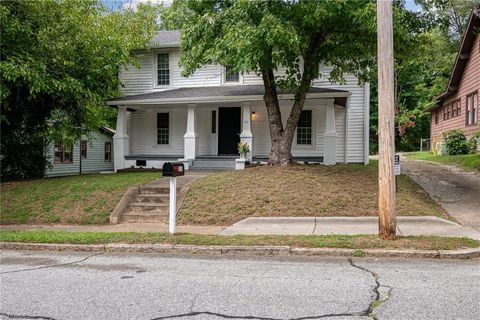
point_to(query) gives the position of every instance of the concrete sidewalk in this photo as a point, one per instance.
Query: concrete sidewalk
(407, 226)
(415, 226)
(121, 227)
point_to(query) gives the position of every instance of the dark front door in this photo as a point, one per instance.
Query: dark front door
(228, 130)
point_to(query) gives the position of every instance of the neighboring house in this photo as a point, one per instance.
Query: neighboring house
(457, 107)
(200, 119)
(85, 156)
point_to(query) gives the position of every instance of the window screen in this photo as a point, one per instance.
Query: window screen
(162, 128)
(108, 152)
(163, 69)
(83, 148)
(231, 76)
(304, 128)
(214, 121)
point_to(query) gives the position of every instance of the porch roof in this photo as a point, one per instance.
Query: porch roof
(226, 93)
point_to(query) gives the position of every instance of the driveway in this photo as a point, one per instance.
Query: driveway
(457, 191)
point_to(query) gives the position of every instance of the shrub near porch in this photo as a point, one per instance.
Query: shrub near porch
(301, 190)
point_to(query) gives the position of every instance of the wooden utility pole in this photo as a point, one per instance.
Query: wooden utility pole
(386, 122)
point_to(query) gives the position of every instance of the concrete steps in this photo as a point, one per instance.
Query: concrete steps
(152, 198)
(150, 205)
(213, 164)
(140, 217)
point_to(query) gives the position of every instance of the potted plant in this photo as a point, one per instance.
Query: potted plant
(243, 149)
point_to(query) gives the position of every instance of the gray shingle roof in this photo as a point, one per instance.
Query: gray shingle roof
(220, 91)
(170, 38)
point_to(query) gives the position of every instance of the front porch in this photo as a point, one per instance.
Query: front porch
(203, 126)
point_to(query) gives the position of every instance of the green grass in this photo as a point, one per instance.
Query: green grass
(85, 199)
(300, 190)
(327, 241)
(470, 162)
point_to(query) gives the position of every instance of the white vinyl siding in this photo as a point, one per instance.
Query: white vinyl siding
(356, 113)
(141, 124)
(143, 137)
(93, 163)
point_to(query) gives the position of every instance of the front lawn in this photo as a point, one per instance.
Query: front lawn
(320, 241)
(85, 199)
(302, 190)
(470, 162)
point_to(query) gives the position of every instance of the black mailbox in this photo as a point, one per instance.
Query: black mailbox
(173, 169)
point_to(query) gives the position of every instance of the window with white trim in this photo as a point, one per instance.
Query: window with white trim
(163, 69)
(63, 154)
(107, 152)
(471, 109)
(304, 128)
(163, 128)
(83, 148)
(231, 76)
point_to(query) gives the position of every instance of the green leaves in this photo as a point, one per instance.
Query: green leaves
(252, 36)
(62, 57)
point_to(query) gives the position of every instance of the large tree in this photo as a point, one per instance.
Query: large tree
(266, 36)
(451, 16)
(59, 63)
(425, 48)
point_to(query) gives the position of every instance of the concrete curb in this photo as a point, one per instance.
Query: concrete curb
(245, 250)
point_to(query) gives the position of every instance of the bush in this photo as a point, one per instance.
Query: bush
(456, 143)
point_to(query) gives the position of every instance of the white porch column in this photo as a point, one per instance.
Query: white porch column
(246, 136)
(120, 139)
(190, 137)
(330, 135)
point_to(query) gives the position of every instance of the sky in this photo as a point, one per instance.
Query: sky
(118, 4)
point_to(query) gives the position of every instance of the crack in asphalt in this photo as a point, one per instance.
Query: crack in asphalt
(377, 301)
(19, 316)
(53, 265)
(226, 316)
(369, 312)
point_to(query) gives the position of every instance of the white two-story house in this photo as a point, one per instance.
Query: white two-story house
(200, 119)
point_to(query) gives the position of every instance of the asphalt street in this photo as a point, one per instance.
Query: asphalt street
(58, 285)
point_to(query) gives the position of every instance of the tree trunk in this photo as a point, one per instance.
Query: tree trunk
(282, 138)
(280, 153)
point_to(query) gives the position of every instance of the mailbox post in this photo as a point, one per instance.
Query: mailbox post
(172, 170)
(172, 214)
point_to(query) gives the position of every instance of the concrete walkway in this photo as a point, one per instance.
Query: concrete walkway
(407, 226)
(455, 190)
(122, 227)
(284, 226)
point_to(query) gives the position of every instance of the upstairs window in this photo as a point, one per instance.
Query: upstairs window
(163, 69)
(436, 116)
(231, 76)
(471, 109)
(63, 154)
(163, 126)
(304, 128)
(108, 152)
(83, 149)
